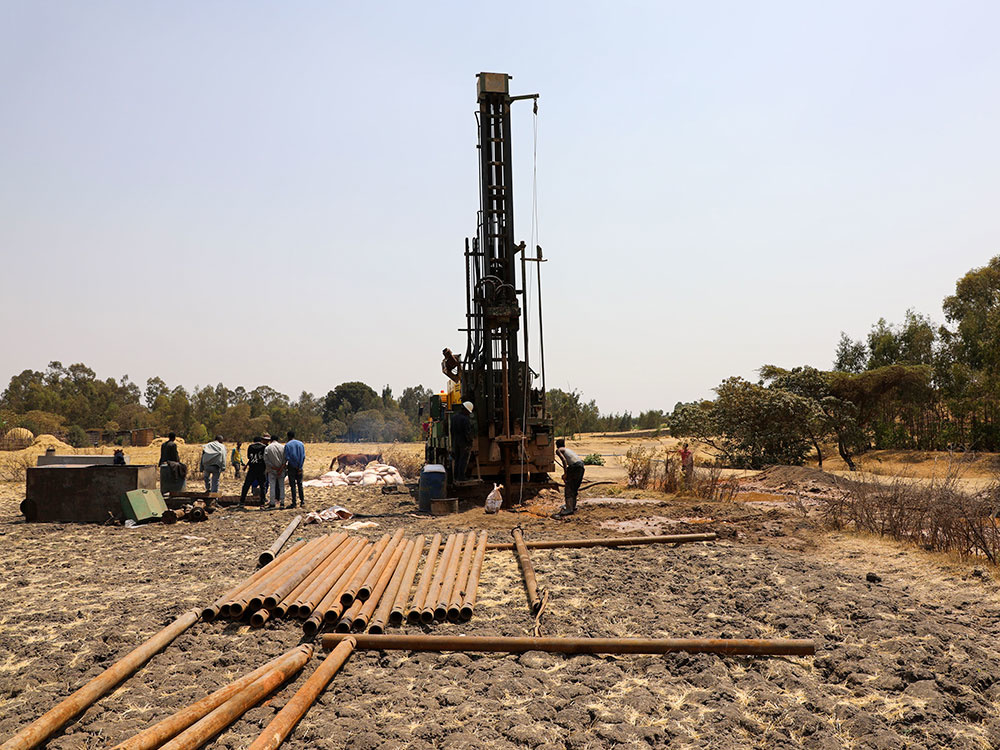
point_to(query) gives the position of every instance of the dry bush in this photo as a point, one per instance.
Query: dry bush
(409, 462)
(938, 516)
(670, 479)
(638, 462)
(708, 483)
(14, 467)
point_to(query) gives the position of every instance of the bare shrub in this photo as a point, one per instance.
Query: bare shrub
(708, 483)
(937, 515)
(670, 479)
(638, 462)
(15, 466)
(408, 462)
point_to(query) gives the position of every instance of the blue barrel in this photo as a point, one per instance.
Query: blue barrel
(433, 479)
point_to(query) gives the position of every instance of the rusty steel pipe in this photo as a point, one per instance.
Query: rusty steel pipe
(472, 588)
(423, 587)
(171, 516)
(284, 722)
(527, 570)
(302, 572)
(289, 572)
(221, 717)
(347, 618)
(319, 577)
(271, 552)
(427, 613)
(462, 579)
(252, 597)
(255, 595)
(388, 598)
(611, 541)
(379, 590)
(350, 591)
(210, 612)
(65, 711)
(365, 590)
(518, 645)
(312, 596)
(397, 611)
(330, 606)
(448, 582)
(155, 735)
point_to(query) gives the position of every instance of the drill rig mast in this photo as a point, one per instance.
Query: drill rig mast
(513, 430)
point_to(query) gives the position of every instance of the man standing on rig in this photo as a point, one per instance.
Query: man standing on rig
(461, 439)
(573, 469)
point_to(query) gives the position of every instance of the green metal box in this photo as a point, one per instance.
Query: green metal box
(143, 505)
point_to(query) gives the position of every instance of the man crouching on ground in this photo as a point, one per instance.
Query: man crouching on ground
(573, 469)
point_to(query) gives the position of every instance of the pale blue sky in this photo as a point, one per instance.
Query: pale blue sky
(278, 192)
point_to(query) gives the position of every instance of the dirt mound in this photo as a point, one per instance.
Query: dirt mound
(44, 442)
(795, 479)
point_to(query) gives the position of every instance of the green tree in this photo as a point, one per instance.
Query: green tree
(76, 437)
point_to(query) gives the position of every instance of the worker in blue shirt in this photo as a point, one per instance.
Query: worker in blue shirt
(295, 457)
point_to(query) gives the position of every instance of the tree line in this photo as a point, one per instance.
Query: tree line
(911, 385)
(65, 401)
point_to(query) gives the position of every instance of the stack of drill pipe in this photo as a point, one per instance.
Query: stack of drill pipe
(284, 722)
(307, 593)
(213, 610)
(397, 611)
(462, 580)
(527, 570)
(469, 602)
(271, 552)
(378, 591)
(225, 714)
(252, 597)
(64, 712)
(362, 579)
(310, 599)
(427, 611)
(329, 605)
(611, 541)
(287, 583)
(157, 734)
(369, 582)
(417, 606)
(450, 575)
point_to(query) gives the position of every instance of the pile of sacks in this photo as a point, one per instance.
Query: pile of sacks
(374, 473)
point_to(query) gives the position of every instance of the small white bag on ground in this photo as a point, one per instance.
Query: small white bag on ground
(494, 500)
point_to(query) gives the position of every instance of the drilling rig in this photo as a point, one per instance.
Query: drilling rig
(513, 432)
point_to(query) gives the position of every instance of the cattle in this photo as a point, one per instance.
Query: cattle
(354, 459)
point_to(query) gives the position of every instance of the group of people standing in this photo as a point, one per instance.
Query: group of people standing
(269, 461)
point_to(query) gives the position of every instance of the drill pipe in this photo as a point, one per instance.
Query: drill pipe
(473, 586)
(427, 613)
(458, 592)
(255, 595)
(304, 569)
(329, 605)
(611, 541)
(527, 570)
(219, 718)
(448, 582)
(347, 619)
(271, 552)
(321, 587)
(351, 590)
(211, 611)
(518, 645)
(319, 577)
(376, 572)
(172, 516)
(379, 591)
(286, 719)
(425, 580)
(66, 710)
(396, 613)
(152, 737)
(251, 597)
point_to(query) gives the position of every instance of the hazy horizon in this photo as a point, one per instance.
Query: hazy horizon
(256, 194)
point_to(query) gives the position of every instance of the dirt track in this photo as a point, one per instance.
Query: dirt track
(911, 661)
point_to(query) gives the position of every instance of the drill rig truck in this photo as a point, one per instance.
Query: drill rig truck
(513, 436)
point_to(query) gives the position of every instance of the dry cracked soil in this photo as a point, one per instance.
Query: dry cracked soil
(907, 643)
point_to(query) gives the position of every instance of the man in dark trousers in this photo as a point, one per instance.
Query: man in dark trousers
(461, 439)
(573, 469)
(168, 451)
(295, 457)
(255, 471)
